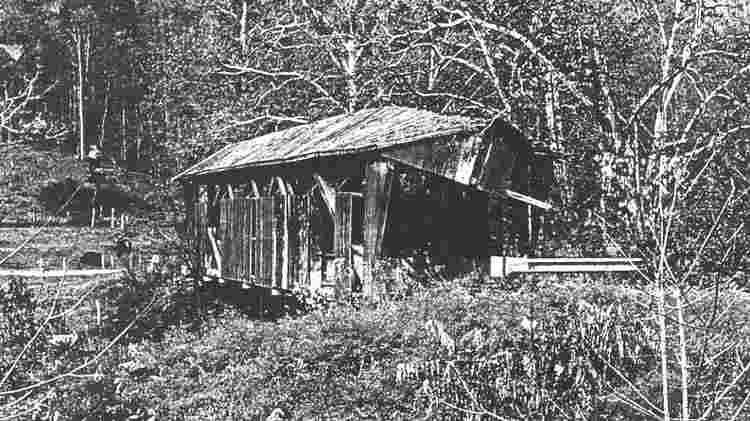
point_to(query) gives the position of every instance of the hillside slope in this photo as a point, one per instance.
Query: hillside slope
(24, 171)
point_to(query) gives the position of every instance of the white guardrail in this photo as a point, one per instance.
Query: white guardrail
(501, 266)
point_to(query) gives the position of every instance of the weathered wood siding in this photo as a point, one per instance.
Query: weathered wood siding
(200, 230)
(266, 240)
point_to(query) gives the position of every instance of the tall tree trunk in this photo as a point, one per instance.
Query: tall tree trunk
(243, 28)
(123, 135)
(353, 52)
(81, 121)
(104, 116)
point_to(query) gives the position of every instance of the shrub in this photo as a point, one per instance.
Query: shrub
(546, 351)
(56, 193)
(335, 362)
(22, 323)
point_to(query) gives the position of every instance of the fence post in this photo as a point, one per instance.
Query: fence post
(98, 314)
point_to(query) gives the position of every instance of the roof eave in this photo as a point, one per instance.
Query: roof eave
(473, 128)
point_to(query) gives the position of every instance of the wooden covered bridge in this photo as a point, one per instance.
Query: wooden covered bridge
(282, 209)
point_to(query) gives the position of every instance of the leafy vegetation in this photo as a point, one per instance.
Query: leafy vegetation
(559, 350)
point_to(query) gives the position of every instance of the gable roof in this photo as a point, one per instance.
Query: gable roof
(363, 131)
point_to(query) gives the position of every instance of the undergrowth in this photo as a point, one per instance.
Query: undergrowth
(544, 351)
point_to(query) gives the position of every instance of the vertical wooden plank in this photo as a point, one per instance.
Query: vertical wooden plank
(349, 228)
(196, 232)
(291, 248)
(213, 214)
(278, 211)
(247, 250)
(199, 235)
(188, 194)
(283, 258)
(269, 240)
(205, 247)
(231, 244)
(242, 237)
(347, 240)
(254, 237)
(343, 227)
(239, 236)
(261, 241)
(224, 235)
(272, 241)
(231, 241)
(219, 234)
(379, 178)
(343, 234)
(336, 225)
(303, 235)
(250, 236)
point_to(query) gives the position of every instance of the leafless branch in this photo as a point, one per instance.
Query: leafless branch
(526, 42)
(239, 70)
(298, 120)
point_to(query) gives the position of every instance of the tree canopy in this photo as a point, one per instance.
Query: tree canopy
(641, 103)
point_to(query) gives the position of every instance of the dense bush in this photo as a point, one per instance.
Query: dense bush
(545, 351)
(19, 321)
(548, 353)
(54, 194)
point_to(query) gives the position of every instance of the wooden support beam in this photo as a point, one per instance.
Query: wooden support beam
(284, 240)
(328, 193)
(212, 206)
(215, 248)
(379, 176)
(254, 188)
(303, 240)
(280, 184)
(289, 188)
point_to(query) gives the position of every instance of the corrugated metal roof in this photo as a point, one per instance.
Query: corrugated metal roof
(365, 130)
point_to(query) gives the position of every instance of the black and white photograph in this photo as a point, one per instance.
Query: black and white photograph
(471, 210)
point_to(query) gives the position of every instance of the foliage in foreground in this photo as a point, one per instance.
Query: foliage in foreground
(551, 351)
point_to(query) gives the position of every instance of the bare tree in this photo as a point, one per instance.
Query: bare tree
(19, 92)
(682, 124)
